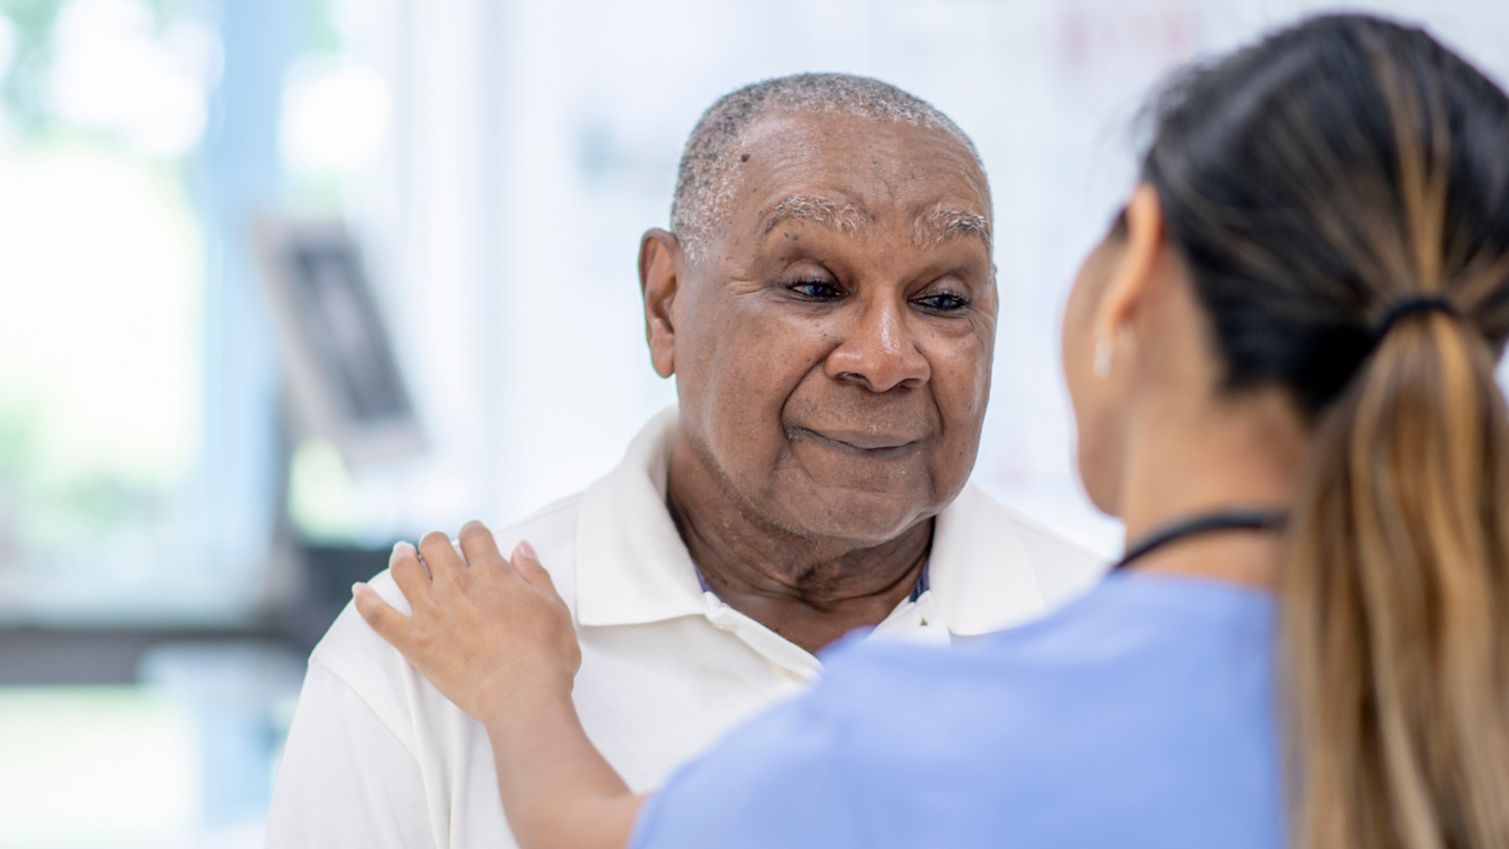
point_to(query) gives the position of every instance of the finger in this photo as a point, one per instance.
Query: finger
(409, 574)
(386, 621)
(440, 555)
(479, 546)
(528, 565)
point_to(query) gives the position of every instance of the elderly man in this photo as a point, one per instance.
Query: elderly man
(827, 305)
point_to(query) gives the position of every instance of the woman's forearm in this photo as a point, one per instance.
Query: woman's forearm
(558, 791)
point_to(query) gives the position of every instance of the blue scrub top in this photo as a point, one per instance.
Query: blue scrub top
(1141, 715)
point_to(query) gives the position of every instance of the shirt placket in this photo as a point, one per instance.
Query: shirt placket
(796, 666)
(915, 621)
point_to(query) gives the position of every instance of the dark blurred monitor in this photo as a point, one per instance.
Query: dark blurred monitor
(344, 378)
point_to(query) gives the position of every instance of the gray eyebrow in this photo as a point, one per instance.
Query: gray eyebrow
(940, 224)
(839, 215)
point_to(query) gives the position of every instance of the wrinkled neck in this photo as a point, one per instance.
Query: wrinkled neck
(808, 589)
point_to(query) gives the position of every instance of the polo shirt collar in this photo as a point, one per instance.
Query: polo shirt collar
(631, 565)
(633, 568)
(980, 574)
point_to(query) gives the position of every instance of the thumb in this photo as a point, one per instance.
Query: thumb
(384, 619)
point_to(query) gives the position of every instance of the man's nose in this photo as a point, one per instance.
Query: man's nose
(880, 351)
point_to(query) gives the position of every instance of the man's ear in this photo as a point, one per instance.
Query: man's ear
(1128, 285)
(660, 265)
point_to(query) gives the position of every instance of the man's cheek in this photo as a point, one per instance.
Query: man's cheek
(776, 364)
(961, 388)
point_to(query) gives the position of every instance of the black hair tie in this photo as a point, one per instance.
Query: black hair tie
(1413, 306)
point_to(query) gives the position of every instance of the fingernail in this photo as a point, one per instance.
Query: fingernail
(357, 588)
(527, 550)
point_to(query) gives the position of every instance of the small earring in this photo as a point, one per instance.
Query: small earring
(1103, 354)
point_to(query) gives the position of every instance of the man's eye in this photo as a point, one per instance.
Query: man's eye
(942, 302)
(815, 290)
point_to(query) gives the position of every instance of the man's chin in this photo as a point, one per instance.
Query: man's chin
(864, 518)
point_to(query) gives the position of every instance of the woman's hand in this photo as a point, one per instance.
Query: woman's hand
(484, 629)
(493, 635)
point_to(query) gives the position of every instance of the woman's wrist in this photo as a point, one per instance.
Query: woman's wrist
(505, 703)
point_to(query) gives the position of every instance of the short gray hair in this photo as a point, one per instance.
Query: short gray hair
(707, 178)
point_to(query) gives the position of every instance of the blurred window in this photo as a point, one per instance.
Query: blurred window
(138, 396)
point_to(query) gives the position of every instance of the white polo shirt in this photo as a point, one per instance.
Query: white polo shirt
(376, 757)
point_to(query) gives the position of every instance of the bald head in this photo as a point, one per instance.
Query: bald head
(708, 178)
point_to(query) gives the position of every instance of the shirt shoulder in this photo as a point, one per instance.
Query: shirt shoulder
(376, 672)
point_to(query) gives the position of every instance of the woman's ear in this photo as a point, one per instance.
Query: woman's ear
(660, 265)
(1128, 285)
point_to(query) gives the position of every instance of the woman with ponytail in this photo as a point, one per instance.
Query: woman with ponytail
(1281, 363)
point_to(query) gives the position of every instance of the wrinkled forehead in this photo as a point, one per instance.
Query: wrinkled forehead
(857, 173)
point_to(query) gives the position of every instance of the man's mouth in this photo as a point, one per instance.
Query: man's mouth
(863, 442)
